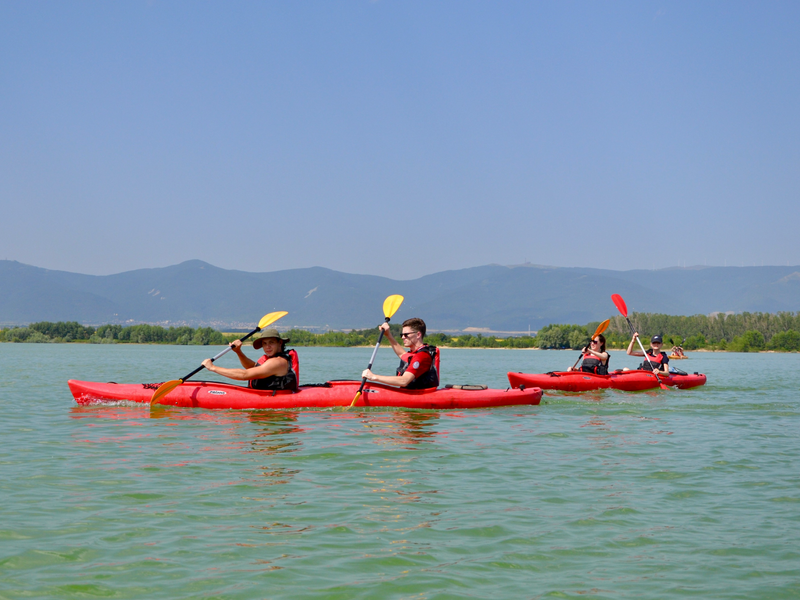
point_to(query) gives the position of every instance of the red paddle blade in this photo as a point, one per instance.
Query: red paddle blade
(620, 304)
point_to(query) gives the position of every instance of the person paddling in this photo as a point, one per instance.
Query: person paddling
(277, 369)
(595, 357)
(656, 359)
(418, 361)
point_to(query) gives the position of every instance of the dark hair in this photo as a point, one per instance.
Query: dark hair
(416, 324)
(602, 339)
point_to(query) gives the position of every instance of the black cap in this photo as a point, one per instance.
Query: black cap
(656, 338)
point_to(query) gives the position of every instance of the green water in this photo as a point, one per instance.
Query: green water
(692, 493)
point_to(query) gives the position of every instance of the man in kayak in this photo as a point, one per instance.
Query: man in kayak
(595, 357)
(275, 370)
(656, 359)
(418, 361)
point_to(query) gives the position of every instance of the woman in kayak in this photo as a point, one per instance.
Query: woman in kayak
(275, 370)
(418, 364)
(656, 359)
(595, 357)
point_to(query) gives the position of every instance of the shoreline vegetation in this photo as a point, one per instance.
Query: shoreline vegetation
(744, 332)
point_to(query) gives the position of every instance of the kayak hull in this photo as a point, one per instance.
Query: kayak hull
(215, 395)
(628, 381)
(571, 381)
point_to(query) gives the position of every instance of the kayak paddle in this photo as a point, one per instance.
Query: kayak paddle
(623, 309)
(390, 306)
(600, 329)
(166, 387)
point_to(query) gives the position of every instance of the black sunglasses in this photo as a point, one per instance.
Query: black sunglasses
(408, 334)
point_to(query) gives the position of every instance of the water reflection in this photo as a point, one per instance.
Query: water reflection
(124, 411)
(395, 428)
(404, 429)
(270, 433)
(276, 434)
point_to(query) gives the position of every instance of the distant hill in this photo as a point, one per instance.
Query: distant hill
(492, 297)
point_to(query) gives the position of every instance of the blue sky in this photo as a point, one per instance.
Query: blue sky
(399, 138)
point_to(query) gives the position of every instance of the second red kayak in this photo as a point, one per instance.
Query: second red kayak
(577, 381)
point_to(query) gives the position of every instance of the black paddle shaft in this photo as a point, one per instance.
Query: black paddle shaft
(228, 349)
(580, 356)
(372, 360)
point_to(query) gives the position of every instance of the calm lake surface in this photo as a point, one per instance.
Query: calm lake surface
(684, 493)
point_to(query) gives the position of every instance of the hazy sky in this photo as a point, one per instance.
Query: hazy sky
(399, 138)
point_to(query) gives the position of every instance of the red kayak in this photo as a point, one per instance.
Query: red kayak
(212, 394)
(576, 381)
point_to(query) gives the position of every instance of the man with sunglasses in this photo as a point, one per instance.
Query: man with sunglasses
(656, 360)
(418, 368)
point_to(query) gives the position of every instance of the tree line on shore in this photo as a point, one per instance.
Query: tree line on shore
(71, 331)
(744, 332)
(369, 337)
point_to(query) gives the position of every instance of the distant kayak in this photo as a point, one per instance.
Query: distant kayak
(576, 381)
(215, 395)
(676, 357)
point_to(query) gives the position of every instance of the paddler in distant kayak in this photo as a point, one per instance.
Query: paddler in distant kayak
(595, 357)
(656, 359)
(418, 361)
(277, 369)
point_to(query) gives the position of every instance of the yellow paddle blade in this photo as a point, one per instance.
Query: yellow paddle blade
(391, 304)
(358, 395)
(164, 389)
(271, 318)
(601, 328)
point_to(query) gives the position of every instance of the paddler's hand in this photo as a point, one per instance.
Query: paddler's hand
(208, 364)
(384, 327)
(635, 335)
(367, 374)
(236, 346)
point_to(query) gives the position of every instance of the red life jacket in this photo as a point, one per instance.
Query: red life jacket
(656, 359)
(290, 381)
(430, 378)
(592, 364)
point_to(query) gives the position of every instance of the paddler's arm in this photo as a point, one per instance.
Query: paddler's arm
(398, 380)
(387, 333)
(247, 362)
(631, 351)
(274, 366)
(601, 355)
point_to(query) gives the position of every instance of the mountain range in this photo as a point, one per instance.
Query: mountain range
(489, 298)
